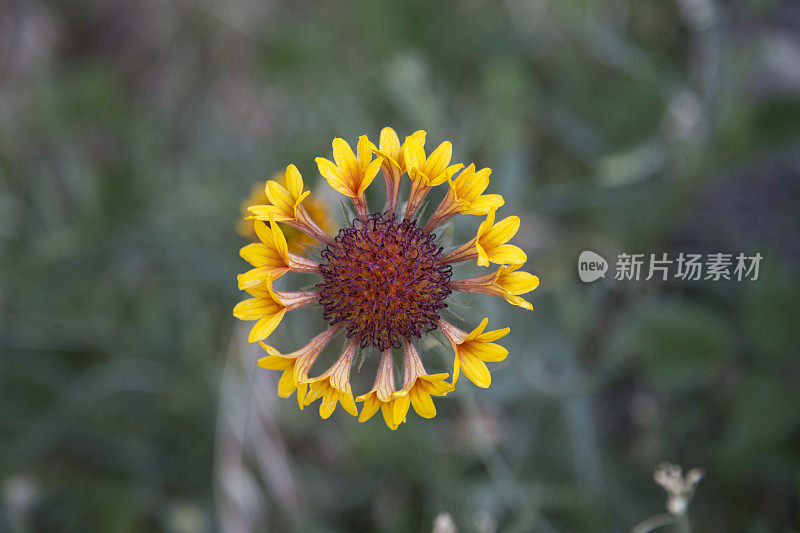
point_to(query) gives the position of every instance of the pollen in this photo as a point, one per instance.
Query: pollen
(383, 281)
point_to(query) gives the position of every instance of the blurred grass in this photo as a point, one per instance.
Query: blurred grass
(129, 133)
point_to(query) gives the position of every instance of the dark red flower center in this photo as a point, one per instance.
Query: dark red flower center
(383, 281)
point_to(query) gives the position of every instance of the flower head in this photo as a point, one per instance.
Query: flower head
(384, 280)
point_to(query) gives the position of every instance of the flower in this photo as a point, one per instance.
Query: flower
(426, 171)
(418, 387)
(384, 280)
(473, 349)
(466, 197)
(268, 307)
(351, 175)
(393, 165)
(489, 245)
(333, 386)
(297, 241)
(381, 396)
(505, 282)
(295, 365)
(284, 205)
(271, 257)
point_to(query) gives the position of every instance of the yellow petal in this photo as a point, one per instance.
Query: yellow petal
(266, 326)
(401, 404)
(275, 362)
(388, 415)
(518, 282)
(485, 351)
(438, 160)
(483, 204)
(389, 143)
(519, 301)
(369, 175)
(476, 371)
(506, 254)
(501, 233)
(294, 182)
(422, 403)
(334, 177)
(286, 384)
(346, 398)
(329, 400)
(491, 336)
(345, 159)
(280, 198)
(371, 406)
(253, 308)
(364, 150)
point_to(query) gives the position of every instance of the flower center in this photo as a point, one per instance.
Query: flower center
(383, 281)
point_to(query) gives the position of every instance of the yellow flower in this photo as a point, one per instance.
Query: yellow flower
(490, 244)
(506, 283)
(393, 165)
(418, 387)
(297, 240)
(351, 175)
(426, 171)
(271, 257)
(333, 386)
(295, 365)
(283, 200)
(384, 280)
(466, 197)
(268, 307)
(380, 397)
(473, 350)
(285, 205)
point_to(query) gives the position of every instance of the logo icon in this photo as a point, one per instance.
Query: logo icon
(591, 266)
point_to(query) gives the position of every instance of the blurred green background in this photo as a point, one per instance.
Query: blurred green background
(130, 132)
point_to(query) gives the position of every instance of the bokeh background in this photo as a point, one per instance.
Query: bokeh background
(131, 131)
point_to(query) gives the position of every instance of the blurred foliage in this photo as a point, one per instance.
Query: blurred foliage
(129, 133)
